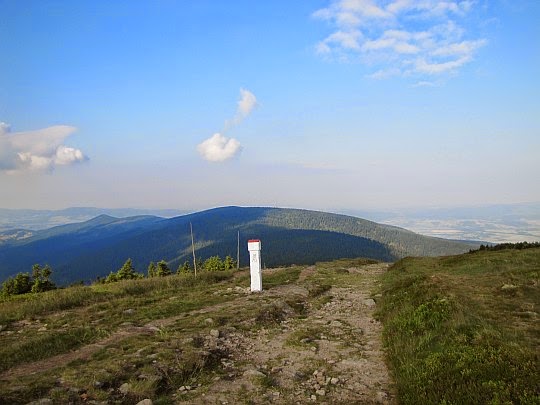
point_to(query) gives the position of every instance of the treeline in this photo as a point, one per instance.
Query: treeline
(22, 283)
(40, 279)
(506, 246)
(162, 269)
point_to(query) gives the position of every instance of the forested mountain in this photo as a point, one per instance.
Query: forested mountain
(93, 248)
(43, 219)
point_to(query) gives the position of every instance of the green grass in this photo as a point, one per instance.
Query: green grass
(455, 335)
(72, 317)
(45, 345)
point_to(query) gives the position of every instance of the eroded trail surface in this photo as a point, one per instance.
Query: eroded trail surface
(313, 339)
(333, 355)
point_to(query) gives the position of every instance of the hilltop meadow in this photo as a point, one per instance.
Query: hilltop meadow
(453, 330)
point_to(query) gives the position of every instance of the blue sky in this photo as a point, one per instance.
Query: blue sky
(349, 104)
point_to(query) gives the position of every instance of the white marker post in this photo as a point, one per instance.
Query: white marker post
(254, 247)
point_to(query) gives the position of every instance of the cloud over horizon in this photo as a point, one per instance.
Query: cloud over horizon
(399, 37)
(39, 150)
(219, 148)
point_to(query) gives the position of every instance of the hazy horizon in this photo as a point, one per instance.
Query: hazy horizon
(326, 104)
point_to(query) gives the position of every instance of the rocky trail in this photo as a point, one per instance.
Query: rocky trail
(334, 355)
(331, 354)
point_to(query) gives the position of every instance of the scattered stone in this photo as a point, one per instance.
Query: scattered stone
(336, 324)
(214, 333)
(298, 375)
(188, 341)
(382, 396)
(2, 327)
(42, 329)
(146, 401)
(125, 388)
(126, 324)
(321, 392)
(129, 311)
(42, 401)
(334, 380)
(507, 287)
(313, 397)
(313, 349)
(370, 303)
(253, 373)
(208, 321)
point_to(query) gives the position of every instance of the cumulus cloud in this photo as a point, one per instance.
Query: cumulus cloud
(381, 34)
(219, 148)
(246, 104)
(40, 150)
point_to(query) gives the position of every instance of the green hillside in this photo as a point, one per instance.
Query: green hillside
(464, 329)
(90, 249)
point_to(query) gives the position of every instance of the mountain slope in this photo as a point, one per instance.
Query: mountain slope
(94, 248)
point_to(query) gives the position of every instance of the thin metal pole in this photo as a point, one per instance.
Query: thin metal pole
(193, 249)
(238, 252)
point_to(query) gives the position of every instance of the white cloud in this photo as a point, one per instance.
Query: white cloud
(345, 40)
(4, 128)
(38, 150)
(219, 148)
(434, 68)
(66, 155)
(246, 104)
(383, 35)
(461, 48)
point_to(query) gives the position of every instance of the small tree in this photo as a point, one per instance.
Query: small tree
(111, 278)
(229, 263)
(20, 284)
(127, 271)
(162, 269)
(42, 280)
(213, 263)
(184, 268)
(152, 269)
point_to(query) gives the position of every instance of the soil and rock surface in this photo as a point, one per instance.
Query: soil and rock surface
(313, 340)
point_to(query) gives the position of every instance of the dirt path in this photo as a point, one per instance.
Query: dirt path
(332, 356)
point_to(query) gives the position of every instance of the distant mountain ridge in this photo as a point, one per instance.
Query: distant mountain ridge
(43, 219)
(84, 251)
